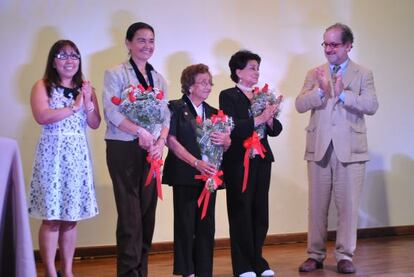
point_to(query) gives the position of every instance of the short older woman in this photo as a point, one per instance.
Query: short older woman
(248, 211)
(193, 237)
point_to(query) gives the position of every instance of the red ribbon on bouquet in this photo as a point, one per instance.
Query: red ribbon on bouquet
(155, 168)
(205, 194)
(251, 144)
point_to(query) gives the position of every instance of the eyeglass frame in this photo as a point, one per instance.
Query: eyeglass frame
(204, 83)
(65, 57)
(333, 45)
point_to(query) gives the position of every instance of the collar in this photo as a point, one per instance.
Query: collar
(343, 66)
(199, 109)
(191, 106)
(244, 88)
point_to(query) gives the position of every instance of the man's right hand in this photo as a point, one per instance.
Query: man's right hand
(323, 80)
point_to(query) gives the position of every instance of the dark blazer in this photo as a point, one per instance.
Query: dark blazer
(183, 127)
(234, 103)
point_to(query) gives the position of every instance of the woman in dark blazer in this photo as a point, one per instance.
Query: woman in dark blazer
(193, 237)
(248, 211)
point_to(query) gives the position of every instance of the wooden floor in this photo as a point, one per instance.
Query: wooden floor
(386, 256)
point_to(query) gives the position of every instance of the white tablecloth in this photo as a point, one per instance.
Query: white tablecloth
(16, 248)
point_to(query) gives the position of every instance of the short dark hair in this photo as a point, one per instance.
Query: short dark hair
(239, 60)
(346, 36)
(135, 27)
(51, 77)
(189, 74)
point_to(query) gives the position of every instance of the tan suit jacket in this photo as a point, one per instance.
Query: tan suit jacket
(331, 119)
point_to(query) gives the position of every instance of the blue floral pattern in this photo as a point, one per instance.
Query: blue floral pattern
(62, 186)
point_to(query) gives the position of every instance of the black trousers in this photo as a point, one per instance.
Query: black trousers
(135, 203)
(193, 237)
(248, 214)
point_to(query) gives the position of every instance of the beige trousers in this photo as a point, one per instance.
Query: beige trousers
(342, 181)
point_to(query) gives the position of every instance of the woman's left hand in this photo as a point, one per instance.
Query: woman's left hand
(87, 91)
(221, 138)
(157, 149)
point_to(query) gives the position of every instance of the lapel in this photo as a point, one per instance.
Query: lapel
(190, 113)
(207, 110)
(244, 103)
(350, 73)
(189, 106)
(132, 77)
(327, 70)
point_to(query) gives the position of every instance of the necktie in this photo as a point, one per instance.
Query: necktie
(335, 70)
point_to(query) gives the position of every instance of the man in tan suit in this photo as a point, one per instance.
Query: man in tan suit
(338, 94)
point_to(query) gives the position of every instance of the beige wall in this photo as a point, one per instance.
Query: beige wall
(287, 34)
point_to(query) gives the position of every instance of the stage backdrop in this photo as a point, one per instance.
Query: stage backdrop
(287, 34)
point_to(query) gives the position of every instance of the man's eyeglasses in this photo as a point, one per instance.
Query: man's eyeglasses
(204, 83)
(64, 56)
(332, 44)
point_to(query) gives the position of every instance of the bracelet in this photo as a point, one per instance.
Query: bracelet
(196, 163)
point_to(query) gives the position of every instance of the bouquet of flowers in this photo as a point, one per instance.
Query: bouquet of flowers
(219, 122)
(261, 98)
(211, 152)
(146, 108)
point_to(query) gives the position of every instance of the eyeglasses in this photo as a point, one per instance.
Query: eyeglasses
(332, 44)
(64, 56)
(204, 83)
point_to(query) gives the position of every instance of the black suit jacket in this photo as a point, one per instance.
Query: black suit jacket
(234, 103)
(183, 127)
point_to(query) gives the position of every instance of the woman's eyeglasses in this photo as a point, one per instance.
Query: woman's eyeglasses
(64, 56)
(204, 83)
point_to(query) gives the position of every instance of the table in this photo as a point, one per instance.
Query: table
(16, 248)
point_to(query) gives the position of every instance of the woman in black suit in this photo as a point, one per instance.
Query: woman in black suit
(248, 211)
(193, 237)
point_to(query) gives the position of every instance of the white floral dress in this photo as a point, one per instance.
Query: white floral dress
(62, 186)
